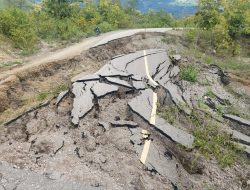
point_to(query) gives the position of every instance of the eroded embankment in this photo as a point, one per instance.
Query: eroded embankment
(28, 87)
(106, 130)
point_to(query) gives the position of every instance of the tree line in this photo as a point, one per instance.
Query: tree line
(25, 24)
(221, 23)
(218, 23)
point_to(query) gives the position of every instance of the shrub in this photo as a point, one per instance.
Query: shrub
(190, 36)
(106, 27)
(60, 29)
(66, 29)
(16, 25)
(189, 73)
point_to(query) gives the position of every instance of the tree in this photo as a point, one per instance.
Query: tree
(60, 8)
(208, 13)
(227, 20)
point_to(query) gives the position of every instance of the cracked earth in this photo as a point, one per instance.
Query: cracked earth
(105, 132)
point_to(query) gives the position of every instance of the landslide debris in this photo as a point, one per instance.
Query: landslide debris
(97, 131)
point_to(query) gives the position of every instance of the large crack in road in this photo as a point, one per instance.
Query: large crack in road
(124, 74)
(104, 132)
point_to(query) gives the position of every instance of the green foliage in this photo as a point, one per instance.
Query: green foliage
(67, 20)
(226, 20)
(189, 73)
(106, 27)
(60, 8)
(214, 143)
(17, 26)
(10, 64)
(154, 19)
(44, 95)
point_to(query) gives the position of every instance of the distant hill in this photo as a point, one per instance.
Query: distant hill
(177, 8)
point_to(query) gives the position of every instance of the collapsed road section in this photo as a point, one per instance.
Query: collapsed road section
(140, 73)
(105, 132)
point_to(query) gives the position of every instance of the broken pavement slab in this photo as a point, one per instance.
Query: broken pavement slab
(177, 96)
(103, 89)
(175, 59)
(153, 156)
(146, 99)
(240, 137)
(83, 101)
(177, 135)
(237, 119)
(105, 125)
(164, 165)
(139, 85)
(153, 65)
(119, 82)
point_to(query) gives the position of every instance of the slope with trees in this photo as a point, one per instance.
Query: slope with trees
(66, 20)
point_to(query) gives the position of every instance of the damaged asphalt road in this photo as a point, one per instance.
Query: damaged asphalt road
(104, 132)
(142, 73)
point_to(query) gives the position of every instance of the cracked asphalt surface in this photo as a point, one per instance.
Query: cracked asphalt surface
(104, 132)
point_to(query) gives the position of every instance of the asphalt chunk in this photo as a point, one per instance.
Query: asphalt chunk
(237, 119)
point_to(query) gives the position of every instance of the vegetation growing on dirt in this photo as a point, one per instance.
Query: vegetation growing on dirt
(189, 73)
(214, 143)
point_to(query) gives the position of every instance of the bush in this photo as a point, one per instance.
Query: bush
(66, 29)
(16, 25)
(190, 36)
(106, 27)
(60, 29)
(189, 73)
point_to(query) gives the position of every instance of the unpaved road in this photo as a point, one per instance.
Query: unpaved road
(74, 50)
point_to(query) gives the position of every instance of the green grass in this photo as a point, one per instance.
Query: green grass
(210, 93)
(236, 111)
(10, 64)
(169, 114)
(233, 64)
(214, 143)
(44, 95)
(189, 73)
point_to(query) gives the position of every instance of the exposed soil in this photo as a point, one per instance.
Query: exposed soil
(21, 89)
(45, 141)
